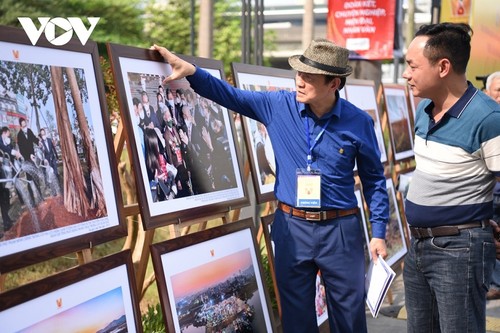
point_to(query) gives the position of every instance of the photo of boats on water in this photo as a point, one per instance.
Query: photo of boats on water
(219, 296)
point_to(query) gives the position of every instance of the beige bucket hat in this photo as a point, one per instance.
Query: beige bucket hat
(323, 57)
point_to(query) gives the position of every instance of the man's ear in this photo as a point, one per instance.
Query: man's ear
(335, 83)
(444, 67)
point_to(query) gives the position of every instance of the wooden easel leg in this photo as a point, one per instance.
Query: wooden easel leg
(389, 296)
(84, 256)
(140, 256)
(129, 240)
(260, 232)
(2, 282)
(147, 283)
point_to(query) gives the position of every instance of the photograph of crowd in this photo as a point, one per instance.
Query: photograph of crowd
(50, 175)
(183, 139)
(183, 147)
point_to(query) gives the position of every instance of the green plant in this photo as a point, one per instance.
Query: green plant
(152, 320)
(269, 281)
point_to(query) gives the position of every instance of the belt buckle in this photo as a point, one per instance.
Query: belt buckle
(313, 216)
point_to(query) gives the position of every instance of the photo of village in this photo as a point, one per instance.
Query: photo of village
(220, 296)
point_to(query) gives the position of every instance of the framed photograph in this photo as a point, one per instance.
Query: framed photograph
(259, 147)
(364, 225)
(403, 184)
(362, 94)
(95, 297)
(320, 299)
(395, 238)
(414, 102)
(184, 147)
(404, 180)
(59, 187)
(212, 281)
(399, 115)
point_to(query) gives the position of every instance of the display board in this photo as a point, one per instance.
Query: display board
(258, 143)
(395, 238)
(58, 182)
(184, 147)
(94, 297)
(399, 114)
(213, 281)
(362, 94)
(320, 296)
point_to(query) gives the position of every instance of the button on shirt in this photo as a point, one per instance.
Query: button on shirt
(349, 137)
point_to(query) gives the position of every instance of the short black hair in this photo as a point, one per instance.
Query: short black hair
(329, 78)
(450, 41)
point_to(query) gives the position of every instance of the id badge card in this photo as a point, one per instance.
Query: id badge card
(308, 188)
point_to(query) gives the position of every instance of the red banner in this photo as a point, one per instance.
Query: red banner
(365, 27)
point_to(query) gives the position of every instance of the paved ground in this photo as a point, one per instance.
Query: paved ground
(392, 315)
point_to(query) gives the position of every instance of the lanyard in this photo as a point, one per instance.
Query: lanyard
(316, 139)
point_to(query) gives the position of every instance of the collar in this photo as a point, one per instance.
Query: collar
(458, 108)
(305, 109)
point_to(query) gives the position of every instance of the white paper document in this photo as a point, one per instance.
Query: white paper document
(378, 280)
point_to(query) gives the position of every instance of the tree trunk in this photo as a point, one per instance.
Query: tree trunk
(308, 23)
(34, 101)
(205, 34)
(97, 200)
(75, 197)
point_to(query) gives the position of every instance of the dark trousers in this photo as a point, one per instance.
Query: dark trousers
(5, 207)
(336, 248)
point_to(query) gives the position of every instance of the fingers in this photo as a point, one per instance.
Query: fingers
(169, 57)
(180, 67)
(378, 247)
(163, 51)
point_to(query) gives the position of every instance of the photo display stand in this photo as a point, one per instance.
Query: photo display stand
(361, 93)
(138, 240)
(397, 102)
(192, 136)
(57, 91)
(108, 303)
(396, 105)
(258, 145)
(213, 281)
(395, 156)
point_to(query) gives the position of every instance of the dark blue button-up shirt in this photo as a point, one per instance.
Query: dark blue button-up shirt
(349, 137)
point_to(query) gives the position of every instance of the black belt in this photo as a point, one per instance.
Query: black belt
(321, 215)
(448, 230)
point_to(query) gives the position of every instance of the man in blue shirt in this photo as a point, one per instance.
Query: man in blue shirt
(449, 202)
(317, 137)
